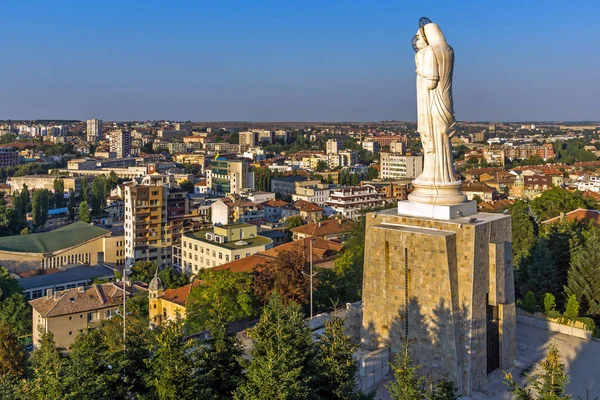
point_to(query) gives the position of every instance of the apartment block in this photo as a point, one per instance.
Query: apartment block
(154, 215)
(94, 130)
(228, 176)
(218, 245)
(397, 166)
(120, 143)
(348, 202)
(8, 157)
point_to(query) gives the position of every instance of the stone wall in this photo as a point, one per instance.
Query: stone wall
(451, 268)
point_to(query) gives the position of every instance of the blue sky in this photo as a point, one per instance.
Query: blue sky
(292, 60)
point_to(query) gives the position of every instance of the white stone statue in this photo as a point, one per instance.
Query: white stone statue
(435, 119)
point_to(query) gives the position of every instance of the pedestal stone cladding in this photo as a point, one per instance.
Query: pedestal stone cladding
(455, 270)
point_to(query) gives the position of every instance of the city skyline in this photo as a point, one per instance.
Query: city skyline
(310, 62)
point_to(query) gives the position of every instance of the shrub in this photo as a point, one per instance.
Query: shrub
(549, 303)
(589, 323)
(529, 304)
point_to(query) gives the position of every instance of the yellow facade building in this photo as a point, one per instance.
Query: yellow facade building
(167, 304)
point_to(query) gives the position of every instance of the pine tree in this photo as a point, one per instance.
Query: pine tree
(523, 230)
(171, 364)
(583, 279)
(572, 310)
(71, 205)
(83, 189)
(542, 275)
(39, 205)
(59, 192)
(84, 212)
(337, 369)
(219, 361)
(88, 374)
(48, 371)
(550, 384)
(283, 356)
(407, 385)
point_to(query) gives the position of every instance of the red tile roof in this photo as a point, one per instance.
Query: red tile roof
(180, 295)
(322, 251)
(581, 214)
(324, 228)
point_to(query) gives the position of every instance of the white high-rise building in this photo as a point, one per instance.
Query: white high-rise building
(398, 166)
(120, 143)
(94, 130)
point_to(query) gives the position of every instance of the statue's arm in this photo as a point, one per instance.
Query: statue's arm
(430, 69)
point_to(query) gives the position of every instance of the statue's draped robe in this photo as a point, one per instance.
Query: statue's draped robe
(435, 109)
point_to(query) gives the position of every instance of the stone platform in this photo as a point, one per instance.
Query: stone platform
(447, 286)
(436, 211)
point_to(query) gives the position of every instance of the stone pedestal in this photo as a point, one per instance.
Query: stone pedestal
(437, 211)
(445, 284)
(437, 193)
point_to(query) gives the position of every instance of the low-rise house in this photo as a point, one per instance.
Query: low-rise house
(167, 304)
(273, 209)
(70, 312)
(331, 229)
(324, 253)
(309, 211)
(483, 191)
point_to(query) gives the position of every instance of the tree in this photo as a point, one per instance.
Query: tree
(337, 369)
(321, 166)
(223, 294)
(10, 221)
(98, 196)
(83, 190)
(283, 356)
(529, 304)
(549, 385)
(583, 277)
(549, 304)
(407, 385)
(172, 279)
(8, 285)
(48, 371)
(71, 205)
(113, 180)
(284, 275)
(523, 231)
(554, 201)
(39, 205)
(12, 353)
(539, 274)
(84, 212)
(59, 192)
(219, 361)
(572, 310)
(171, 364)
(477, 198)
(15, 312)
(88, 372)
(187, 186)
(143, 271)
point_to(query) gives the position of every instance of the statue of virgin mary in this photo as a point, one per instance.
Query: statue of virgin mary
(434, 60)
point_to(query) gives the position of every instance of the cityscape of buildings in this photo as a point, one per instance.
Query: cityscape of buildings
(190, 198)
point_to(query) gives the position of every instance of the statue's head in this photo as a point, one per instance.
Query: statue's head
(433, 34)
(428, 34)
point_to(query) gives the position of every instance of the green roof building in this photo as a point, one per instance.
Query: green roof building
(218, 245)
(75, 243)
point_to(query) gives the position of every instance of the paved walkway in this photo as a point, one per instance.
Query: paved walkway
(581, 358)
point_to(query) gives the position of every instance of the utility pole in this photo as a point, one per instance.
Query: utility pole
(310, 275)
(311, 278)
(124, 303)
